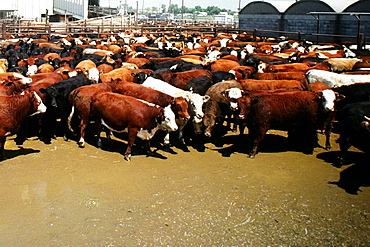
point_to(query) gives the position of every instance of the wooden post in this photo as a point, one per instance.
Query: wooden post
(3, 30)
(254, 34)
(360, 41)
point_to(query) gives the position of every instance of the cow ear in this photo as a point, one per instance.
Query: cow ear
(255, 100)
(245, 93)
(160, 118)
(318, 95)
(134, 74)
(224, 93)
(339, 96)
(206, 98)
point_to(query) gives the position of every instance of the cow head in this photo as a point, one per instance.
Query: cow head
(180, 107)
(366, 123)
(328, 98)
(233, 94)
(19, 77)
(196, 102)
(51, 94)
(245, 103)
(262, 66)
(93, 75)
(41, 108)
(168, 123)
(31, 70)
(140, 77)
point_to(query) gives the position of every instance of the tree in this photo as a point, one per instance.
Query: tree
(174, 8)
(163, 7)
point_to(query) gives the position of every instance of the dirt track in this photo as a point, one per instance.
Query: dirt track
(62, 195)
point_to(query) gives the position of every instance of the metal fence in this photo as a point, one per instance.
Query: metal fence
(106, 27)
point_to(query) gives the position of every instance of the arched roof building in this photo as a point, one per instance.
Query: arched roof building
(359, 6)
(305, 6)
(309, 17)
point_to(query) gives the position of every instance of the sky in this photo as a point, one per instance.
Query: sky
(338, 5)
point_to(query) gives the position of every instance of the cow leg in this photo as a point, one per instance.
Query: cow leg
(344, 145)
(327, 140)
(2, 144)
(167, 139)
(327, 131)
(147, 148)
(257, 137)
(98, 127)
(83, 126)
(209, 122)
(132, 133)
(181, 134)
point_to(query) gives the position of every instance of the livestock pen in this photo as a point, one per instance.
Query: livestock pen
(106, 26)
(57, 194)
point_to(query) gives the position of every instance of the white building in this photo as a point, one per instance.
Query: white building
(224, 18)
(26, 9)
(36, 9)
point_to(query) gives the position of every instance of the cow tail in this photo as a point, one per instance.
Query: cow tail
(70, 119)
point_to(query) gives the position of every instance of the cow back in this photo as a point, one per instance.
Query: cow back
(141, 92)
(120, 111)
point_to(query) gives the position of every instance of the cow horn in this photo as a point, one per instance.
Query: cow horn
(367, 118)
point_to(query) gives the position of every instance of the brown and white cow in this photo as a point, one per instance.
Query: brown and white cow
(121, 113)
(179, 105)
(254, 84)
(293, 110)
(80, 99)
(14, 110)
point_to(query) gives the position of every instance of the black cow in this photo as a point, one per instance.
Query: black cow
(353, 128)
(57, 102)
(199, 85)
(218, 76)
(173, 63)
(353, 93)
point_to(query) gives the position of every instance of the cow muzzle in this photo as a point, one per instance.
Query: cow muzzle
(241, 116)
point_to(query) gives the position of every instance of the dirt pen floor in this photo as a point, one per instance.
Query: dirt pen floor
(62, 195)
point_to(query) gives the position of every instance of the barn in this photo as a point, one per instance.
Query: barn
(307, 17)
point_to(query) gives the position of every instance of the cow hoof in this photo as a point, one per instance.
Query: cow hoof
(166, 147)
(128, 157)
(81, 145)
(251, 156)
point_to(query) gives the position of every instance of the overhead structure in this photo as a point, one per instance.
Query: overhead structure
(316, 17)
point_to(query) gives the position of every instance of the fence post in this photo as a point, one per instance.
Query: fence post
(3, 30)
(254, 34)
(360, 41)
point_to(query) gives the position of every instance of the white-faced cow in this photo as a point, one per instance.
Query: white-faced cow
(14, 110)
(121, 113)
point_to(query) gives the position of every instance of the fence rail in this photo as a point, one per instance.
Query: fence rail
(82, 28)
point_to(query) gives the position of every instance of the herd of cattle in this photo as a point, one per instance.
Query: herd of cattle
(143, 83)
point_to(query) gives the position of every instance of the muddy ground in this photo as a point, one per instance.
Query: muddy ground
(62, 195)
